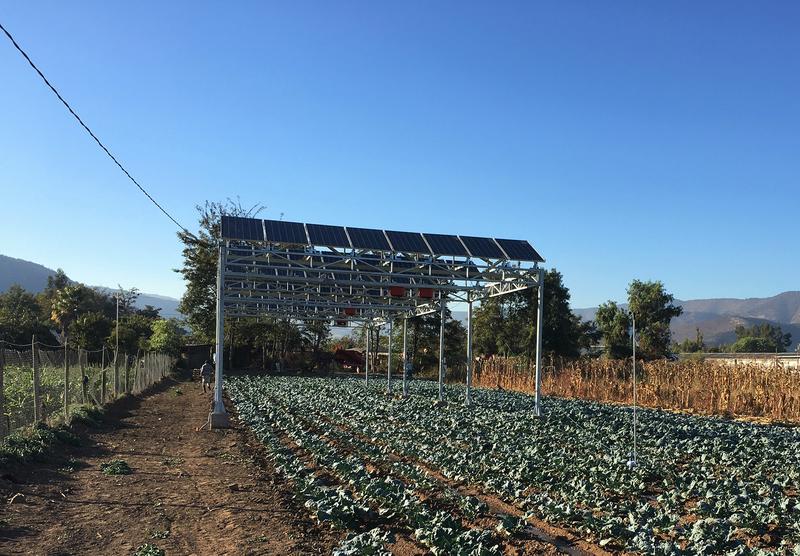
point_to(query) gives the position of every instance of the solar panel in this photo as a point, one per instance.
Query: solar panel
(366, 238)
(443, 244)
(409, 242)
(519, 250)
(329, 236)
(285, 232)
(236, 227)
(482, 247)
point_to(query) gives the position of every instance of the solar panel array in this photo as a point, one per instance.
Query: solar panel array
(296, 233)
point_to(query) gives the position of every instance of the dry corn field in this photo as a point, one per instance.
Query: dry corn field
(699, 386)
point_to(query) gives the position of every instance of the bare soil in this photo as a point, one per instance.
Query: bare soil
(191, 492)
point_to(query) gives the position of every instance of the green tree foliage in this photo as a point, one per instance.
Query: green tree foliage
(134, 332)
(167, 337)
(692, 346)
(199, 269)
(20, 316)
(654, 309)
(761, 338)
(614, 324)
(89, 330)
(506, 325)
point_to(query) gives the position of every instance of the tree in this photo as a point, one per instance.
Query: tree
(134, 333)
(199, 269)
(692, 346)
(66, 304)
(20, 316)
(653, 309)
(89, 330)
(614, 324)
(761, 338)
(507, 325)
(167, 337)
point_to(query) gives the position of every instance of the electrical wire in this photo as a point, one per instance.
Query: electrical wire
(90, 132)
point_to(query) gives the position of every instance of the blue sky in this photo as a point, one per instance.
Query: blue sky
(624, 140)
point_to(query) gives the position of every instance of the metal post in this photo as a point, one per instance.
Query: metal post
(368, 331)
(539, 324)
(405, 358)
(389, 362)
(441, 352)
(218, 417)
(633, 341)
(469, 353)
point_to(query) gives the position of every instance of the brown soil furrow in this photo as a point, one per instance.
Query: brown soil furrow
(209, 498)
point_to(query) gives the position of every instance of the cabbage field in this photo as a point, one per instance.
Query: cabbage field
(380, 466)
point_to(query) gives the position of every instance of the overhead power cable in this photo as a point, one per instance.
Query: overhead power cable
(90, 132)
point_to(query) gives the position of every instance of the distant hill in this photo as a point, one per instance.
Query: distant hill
(33, 277)
(717, 318)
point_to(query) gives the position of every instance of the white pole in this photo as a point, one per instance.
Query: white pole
(368, 330)
(389, 362)
(405, 358)
(218, 417)
(469, 353)
(539, 325)
(116, 348)
(633, 342)
(441, 352)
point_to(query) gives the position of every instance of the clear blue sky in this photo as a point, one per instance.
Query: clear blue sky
(624, 140)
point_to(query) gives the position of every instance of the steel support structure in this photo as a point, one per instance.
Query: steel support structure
(441, 352)
(539, 323)
(219, 417)
(468, 397)
(368, 331)
(389, 362)
(405, 357)
(268, 270)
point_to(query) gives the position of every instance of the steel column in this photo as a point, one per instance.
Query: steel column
(441, 353)
(405, 358)
(469, 354)
(368, 331)
(389, 362)
(218, 417)
(539, 324)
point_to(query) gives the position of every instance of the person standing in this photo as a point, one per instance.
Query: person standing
(205, 375)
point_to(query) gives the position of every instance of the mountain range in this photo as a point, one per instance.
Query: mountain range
(716, 318)
(33, 277)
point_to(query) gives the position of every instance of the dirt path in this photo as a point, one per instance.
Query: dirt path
(190, 492)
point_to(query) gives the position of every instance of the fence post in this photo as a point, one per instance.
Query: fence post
(127, 389)
(103, 375)
(37, 402)
(2, 396)
(66, 380)
(83, 375)
(116, 374)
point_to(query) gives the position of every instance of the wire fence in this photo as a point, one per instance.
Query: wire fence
(40, 382)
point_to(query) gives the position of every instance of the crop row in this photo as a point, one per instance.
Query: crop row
(702, 485)
(394, 499)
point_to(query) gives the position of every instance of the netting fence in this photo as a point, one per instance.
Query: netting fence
(39, 382)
